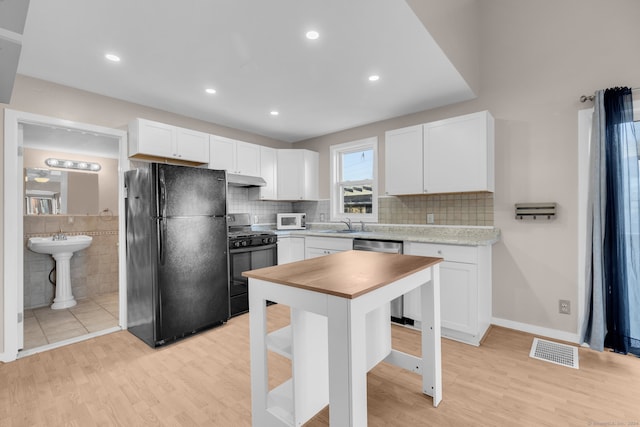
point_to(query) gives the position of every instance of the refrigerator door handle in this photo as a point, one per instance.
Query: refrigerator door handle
(162, 230)
(163, 194)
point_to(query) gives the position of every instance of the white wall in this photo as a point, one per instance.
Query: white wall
(535, 60)
(41, 97)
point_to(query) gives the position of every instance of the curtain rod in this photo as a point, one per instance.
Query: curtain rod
(585, 98)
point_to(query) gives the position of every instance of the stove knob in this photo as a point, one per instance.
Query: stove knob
(244, 243)
(236, 244)
(265, 240)
(272, 239)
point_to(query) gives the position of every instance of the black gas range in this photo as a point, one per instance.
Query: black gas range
(248, 250)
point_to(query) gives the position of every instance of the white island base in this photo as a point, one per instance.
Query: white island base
(336, 337)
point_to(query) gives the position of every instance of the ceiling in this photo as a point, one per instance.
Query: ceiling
(253, 53)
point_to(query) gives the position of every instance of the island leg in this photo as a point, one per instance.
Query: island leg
(431, 345)
(259, 362)
(347, 364)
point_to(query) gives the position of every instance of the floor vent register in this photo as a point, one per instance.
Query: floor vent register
(560, 354)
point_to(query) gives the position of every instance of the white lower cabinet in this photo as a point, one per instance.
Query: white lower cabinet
(320, 246)
(290, 249)
(465, 289)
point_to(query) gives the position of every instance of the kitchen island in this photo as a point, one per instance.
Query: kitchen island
(340, 329)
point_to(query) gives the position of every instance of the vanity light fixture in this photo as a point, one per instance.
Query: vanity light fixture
(73, 164)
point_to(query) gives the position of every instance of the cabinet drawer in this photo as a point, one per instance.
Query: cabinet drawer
(454, 253)
(329, 243)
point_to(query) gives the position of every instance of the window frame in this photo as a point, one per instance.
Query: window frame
(336, 151)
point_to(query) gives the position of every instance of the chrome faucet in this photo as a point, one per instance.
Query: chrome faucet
(348, 222)
(59, 236)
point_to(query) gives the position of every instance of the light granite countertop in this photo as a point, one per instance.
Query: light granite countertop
(452, 235)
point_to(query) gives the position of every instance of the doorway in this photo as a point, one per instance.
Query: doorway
(90, 141)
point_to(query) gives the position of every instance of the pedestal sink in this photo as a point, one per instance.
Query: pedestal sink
(61, 249)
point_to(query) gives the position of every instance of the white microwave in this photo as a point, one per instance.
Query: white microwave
(291, 221)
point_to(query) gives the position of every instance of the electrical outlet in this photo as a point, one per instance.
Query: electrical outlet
(430, 218)
(564, 306)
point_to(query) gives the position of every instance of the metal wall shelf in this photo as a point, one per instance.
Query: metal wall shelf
(536, 210)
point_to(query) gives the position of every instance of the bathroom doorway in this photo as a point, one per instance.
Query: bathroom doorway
(97, 273)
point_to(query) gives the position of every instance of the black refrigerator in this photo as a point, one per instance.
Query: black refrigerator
(177, 252)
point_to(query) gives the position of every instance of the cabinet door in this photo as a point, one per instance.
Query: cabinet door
(268, 172)
(155, 139)
(247, 159)
(311, 170)
(297, 249)
(458, 298)
(290, 249)
(284, 250)
(458, 154)
(222, 153)
(403, 161)
(290, 174)
(192, 145)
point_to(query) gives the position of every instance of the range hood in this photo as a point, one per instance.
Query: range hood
(236, 180)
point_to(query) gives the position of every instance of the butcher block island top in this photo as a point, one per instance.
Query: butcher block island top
(347, 274)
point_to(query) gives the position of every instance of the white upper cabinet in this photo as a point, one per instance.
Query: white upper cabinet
(403, 161)
(247, 158)
(150, 140)
(458, 154)
(297, 174)
(268, 172)
(234, 156)
(447, 156)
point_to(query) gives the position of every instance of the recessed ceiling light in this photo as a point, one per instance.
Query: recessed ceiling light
(374, 78)
(210, 90)
(274, 113)
(312, 35)
(112, 57)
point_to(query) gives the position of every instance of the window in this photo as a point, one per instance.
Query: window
(354, 182)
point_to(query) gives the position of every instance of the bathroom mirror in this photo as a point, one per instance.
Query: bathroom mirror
(54, 192)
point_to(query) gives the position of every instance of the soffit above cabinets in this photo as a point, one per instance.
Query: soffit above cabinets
(13, 14)
(253, 53)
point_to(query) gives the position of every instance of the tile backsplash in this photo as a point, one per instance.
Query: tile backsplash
(94, 271)
(262, 211)
(447, 209)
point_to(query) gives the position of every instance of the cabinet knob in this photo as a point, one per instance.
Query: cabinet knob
(439, 252)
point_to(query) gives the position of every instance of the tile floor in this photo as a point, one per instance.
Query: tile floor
(44, 326)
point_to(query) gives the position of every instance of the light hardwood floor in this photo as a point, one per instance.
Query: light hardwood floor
(204, 381)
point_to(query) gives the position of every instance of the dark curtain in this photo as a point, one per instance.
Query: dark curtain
(622, 224)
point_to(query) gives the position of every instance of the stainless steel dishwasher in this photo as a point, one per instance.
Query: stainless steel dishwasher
(391, 247)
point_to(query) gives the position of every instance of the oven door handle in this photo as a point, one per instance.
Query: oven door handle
(253, 249)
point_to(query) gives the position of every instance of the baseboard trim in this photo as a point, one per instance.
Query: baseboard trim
(4, 358)
(537, 330)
